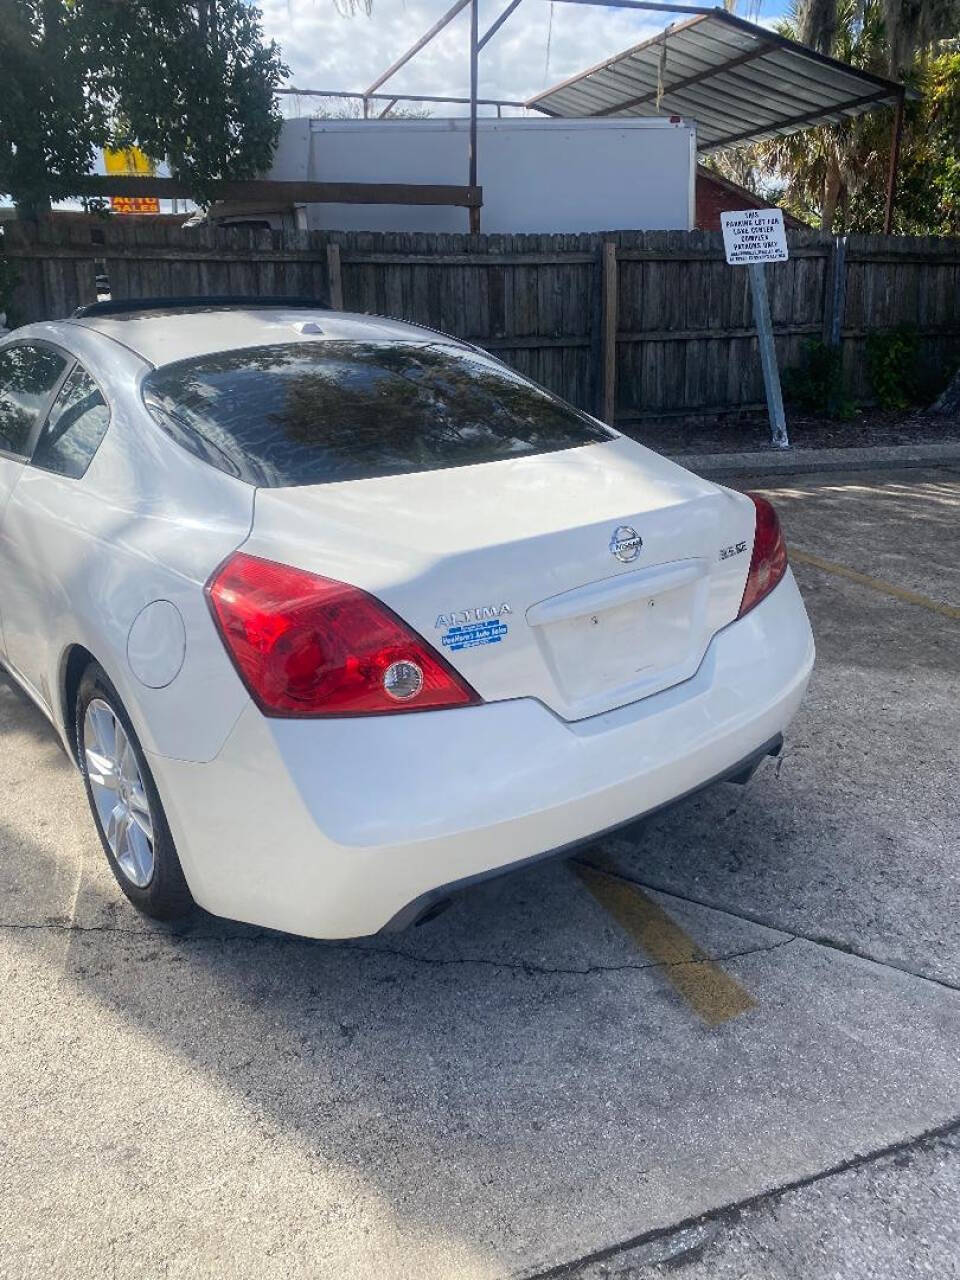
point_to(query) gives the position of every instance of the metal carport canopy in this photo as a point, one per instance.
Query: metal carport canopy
(739, 82)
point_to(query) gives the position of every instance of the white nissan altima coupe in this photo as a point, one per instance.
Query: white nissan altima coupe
(337, 614)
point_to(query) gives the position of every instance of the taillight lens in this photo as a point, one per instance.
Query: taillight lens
(310, 646)
(769, 561)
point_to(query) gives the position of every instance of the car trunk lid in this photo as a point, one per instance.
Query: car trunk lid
(588, 577)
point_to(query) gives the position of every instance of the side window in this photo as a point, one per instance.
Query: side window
(27, 376)
(77, 423)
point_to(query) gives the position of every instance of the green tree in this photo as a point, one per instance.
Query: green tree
(192, 83)
(195, 83)
(836, 175)
(53, 102)
(823, 166)
(928, 184)
(909, 26)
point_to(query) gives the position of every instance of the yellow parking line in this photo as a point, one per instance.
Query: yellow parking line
(710, 992)
(887, 588)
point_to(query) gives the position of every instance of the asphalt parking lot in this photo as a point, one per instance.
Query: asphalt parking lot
(724, 1043)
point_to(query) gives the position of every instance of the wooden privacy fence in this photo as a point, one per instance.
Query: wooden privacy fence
(631, 324)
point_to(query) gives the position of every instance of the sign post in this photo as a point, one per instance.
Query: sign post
(752, 237)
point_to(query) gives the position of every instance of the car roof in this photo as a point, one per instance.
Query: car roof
(164, 336)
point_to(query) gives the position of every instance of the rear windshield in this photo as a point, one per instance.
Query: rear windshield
(313, 413)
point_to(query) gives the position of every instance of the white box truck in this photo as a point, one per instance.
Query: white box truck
(537, 174)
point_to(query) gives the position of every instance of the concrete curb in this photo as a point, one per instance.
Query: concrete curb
(802, 461)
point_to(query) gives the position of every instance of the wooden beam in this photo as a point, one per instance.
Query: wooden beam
(347, 256)
(364, 257)
(284, 192)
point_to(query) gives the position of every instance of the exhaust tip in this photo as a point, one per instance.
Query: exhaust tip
(435, 909)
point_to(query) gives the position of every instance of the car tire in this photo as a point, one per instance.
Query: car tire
(125, 804)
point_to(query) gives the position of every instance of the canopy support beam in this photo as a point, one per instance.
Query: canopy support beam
(685, 83)
(474, 81)
(414, 49)
(654, 5)
(808, 117)
(397, 97)
(494, 27)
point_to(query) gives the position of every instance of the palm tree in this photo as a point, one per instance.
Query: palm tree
(910, 26)
(827, 165)
(815, 22)
(837, 172)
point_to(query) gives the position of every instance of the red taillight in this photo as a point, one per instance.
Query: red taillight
(769, 561)
(311, 646)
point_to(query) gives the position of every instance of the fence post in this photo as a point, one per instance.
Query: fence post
(608, 332)
(835, 292)
(335, 277)
(834, 304)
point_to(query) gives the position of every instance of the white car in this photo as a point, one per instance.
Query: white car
(338, 614)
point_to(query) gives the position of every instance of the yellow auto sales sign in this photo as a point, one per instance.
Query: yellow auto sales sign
(131, 161)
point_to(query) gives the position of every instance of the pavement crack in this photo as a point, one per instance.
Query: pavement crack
(819, 940)
(155, 935)
(269, 937)
(60, 926)
(527, 967)
(728, 1214)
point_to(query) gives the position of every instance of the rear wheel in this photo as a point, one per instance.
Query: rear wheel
(124, 802)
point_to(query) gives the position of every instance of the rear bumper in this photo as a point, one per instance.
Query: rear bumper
(341, 828)
(428, 903)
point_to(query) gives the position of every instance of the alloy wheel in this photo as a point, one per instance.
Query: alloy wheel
(118, 793)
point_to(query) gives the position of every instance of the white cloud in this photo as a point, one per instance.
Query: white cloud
(327, 51)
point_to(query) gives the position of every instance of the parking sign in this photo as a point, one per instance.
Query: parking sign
(754, 235)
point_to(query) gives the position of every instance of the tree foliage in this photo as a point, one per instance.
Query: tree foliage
(836, 175)
(53, 103)
(352, 109)
(909, 27)
(192, 83)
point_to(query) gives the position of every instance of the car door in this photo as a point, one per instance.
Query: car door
(38, 584)
(30, 375)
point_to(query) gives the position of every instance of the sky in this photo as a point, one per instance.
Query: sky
(540, 44)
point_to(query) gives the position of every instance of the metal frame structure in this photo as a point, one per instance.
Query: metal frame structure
(741, 82)
(393, 98)
(882, 92)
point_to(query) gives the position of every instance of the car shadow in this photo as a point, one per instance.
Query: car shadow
(466, 1073)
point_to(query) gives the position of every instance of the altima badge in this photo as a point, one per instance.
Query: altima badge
(626, 543)
(462, 617)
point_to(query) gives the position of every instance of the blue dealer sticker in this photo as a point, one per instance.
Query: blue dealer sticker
(473, 634)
